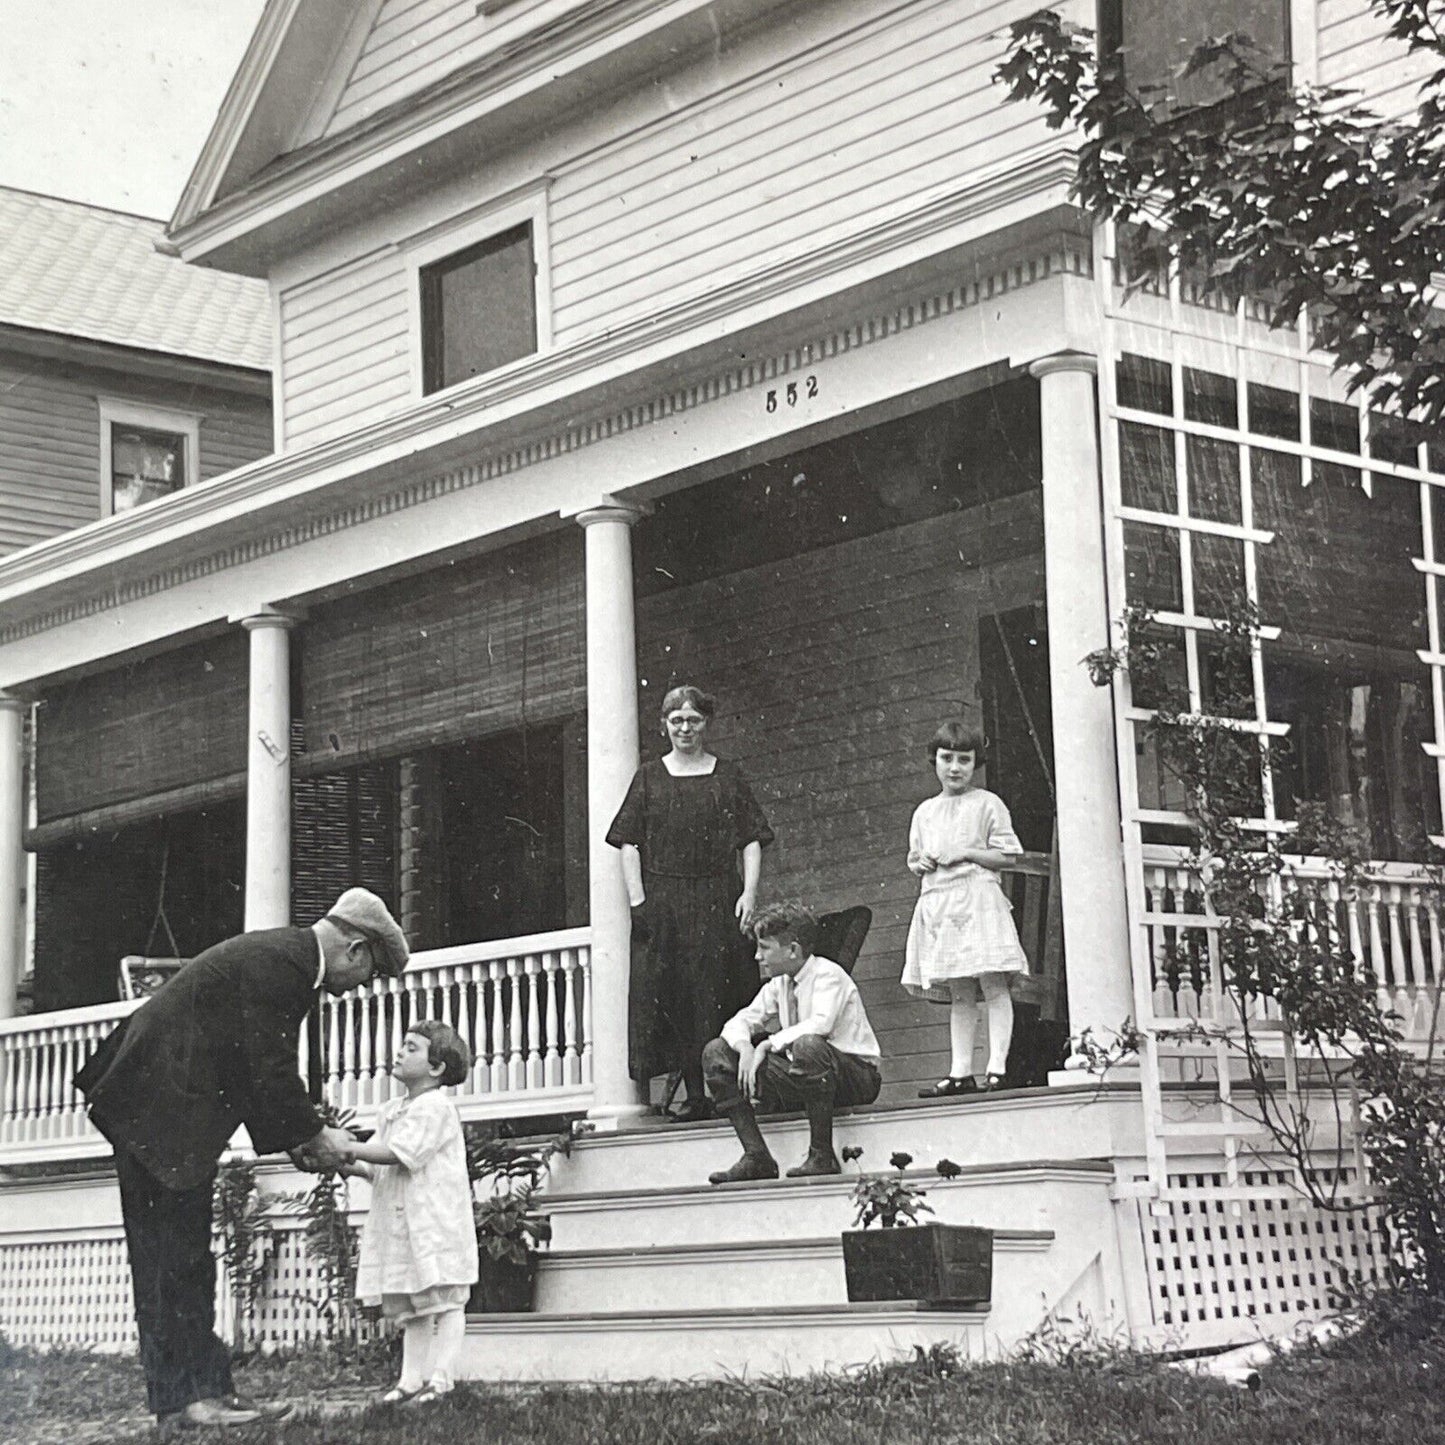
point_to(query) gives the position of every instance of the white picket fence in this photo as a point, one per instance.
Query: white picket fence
(524, 1006)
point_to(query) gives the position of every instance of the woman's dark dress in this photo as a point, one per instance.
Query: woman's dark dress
(691, 967)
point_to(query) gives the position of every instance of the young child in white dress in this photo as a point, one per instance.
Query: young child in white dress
(962, 941)
(419, 1243)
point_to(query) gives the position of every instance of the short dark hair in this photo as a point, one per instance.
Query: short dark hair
(788, 921)
(955, 735)
(445, 1046)
(685, 694)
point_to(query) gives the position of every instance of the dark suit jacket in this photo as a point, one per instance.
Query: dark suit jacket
(214, 1048)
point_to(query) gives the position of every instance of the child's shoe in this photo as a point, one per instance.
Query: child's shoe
(947, 1088)
(818, 1163)
(431, 1392)
(749, 1167)
(399, 1394)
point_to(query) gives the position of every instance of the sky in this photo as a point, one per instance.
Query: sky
(110, 101)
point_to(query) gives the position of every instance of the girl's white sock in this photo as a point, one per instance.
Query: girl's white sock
(451, 1329)
(962, 1027)
(1000, 1004)
(416, 1353)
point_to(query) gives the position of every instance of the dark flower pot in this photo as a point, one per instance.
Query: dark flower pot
(939, 1264)
(503, 1286)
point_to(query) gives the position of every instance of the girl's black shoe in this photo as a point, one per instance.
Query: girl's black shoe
(992, 1083)
(947, 1088)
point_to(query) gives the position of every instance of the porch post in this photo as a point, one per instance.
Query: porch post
(612, 756)
(1091, 864)
(12, 854)
(268, 772)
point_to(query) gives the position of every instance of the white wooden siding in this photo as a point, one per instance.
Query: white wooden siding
(50, 440)
(415, 43)
(790, 141)
(1355, 53)
(344, 349)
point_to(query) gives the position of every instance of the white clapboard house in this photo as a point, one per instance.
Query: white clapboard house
(754, 343)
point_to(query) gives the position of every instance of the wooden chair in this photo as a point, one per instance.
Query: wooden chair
(1032, 884)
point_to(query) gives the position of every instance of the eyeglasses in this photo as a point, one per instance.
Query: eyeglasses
(682, 721)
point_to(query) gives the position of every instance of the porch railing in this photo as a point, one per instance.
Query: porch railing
(524, 1006)
(1391, 922)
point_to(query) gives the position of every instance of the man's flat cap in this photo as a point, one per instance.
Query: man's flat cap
(364, 911)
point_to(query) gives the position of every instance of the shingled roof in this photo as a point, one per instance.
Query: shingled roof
(77, 270)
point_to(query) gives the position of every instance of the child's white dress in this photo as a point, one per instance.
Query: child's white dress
(963, 923)
(419, 1243)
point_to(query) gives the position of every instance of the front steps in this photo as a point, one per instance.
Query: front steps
(653, 1273)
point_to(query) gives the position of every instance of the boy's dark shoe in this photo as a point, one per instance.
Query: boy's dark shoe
(266, 1409)
(750, 1166)
(202, 1414)
(818, 1162)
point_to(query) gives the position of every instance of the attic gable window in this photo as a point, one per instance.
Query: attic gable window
(478, 308)
(1157, 37)
(145, 454)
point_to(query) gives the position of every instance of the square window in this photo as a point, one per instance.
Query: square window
(144, 465)
(478, 308)
(145, 454)
(1154, 40)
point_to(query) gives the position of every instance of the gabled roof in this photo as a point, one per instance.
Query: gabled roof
(76, 270)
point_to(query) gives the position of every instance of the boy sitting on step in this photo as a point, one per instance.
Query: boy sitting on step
(804, 1040)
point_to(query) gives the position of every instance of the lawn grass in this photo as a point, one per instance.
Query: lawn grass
(1377, 1391)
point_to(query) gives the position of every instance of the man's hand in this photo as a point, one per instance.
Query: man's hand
(328, 1150)
(750, 1065)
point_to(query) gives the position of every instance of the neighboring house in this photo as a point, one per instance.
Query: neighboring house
(752, 344)
(124, 373)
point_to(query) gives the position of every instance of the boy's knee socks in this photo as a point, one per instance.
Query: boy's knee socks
(416, 1351)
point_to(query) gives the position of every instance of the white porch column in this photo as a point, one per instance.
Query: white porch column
(612, 756)
(1091, 863)
(12, 854)
(268, 772)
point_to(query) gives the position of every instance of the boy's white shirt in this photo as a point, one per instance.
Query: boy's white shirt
(828, 1004)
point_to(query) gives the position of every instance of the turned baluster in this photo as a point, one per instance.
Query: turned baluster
(571, 1060)
(516, 1064)
(585, 962)
(499, 1031)
(552, 1068)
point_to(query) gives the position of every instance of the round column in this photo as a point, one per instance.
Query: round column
(12, 854)
(268, 772)
(612, 757)
(1086, 777)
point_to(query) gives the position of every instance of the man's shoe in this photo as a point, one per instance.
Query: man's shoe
(817, 1163)
(750, 1166)
(203, 1414)
(266, 1409)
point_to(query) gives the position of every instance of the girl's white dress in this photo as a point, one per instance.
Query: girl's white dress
(419, 1243)
(963, 924)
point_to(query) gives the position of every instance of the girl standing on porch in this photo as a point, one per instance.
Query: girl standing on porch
(686, 819)
(418, 1257)
(962, 941)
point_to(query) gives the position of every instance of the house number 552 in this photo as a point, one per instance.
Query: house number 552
(790, 394)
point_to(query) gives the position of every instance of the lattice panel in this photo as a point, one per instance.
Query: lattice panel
(1215, 1260)
(70, 1292)
(78, 1292)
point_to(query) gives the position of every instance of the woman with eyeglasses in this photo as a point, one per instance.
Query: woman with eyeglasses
(688, 820)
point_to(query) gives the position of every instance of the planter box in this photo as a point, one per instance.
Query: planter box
(940, 1264)
(503, 1287)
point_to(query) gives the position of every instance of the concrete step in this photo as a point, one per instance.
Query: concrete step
(734, 1275)
(709, 1342)
(1086, 1121)
(1031, 1195)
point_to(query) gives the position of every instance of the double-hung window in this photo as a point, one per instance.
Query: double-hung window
(145, 454)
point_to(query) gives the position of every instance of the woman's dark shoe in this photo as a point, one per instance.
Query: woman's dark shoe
(947, 1088)
(694, 1111)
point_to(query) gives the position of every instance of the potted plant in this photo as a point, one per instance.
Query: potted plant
(939, 1264)
(510, 1226)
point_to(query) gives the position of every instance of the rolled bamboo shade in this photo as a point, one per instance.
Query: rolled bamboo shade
(472, 648)
(175, 721)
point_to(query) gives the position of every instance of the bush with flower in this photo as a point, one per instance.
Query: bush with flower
(890, 1200)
